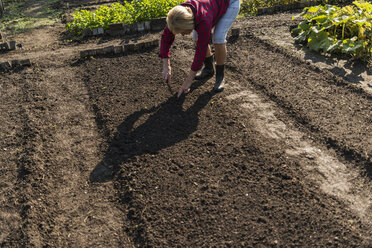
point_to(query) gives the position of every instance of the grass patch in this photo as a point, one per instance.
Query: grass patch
(23, 15)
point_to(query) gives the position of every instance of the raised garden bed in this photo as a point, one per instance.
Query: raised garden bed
(124, 29)
(14, 64)
(120, 49)
(8, 46)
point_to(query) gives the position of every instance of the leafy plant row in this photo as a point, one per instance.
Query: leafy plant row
(249, 7)
(131, 12)
(145, 10)
(332, 29)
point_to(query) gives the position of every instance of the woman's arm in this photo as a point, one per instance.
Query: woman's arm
(167, 39)
(167, 71)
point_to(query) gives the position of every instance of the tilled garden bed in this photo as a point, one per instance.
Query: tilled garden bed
(193, 171)
(97, 152)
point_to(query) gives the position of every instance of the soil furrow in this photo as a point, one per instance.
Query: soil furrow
(60, 208)
(11, 139)
(335, 177)
(275, 30)
(338, 113)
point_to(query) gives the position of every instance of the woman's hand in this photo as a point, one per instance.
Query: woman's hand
(167, 71)
(185, 88)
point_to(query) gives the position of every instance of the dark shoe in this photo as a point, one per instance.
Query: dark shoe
(208, 70)
(206, 73)
(220, 78)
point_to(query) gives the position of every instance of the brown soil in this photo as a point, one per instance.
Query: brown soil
(99, 152)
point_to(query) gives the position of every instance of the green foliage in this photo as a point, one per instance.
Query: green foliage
(332, 29)
(130, 12)
(249, 7)
(145, 10)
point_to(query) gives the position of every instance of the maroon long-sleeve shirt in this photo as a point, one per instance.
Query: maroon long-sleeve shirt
(207, 13)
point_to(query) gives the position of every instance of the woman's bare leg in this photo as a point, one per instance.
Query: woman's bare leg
(209, 51)
(220, 53)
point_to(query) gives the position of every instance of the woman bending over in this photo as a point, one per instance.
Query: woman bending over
(200, 17)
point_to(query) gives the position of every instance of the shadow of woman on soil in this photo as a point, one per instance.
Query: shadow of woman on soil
(167, 125)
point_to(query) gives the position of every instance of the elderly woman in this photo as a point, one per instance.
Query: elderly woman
(201, 16)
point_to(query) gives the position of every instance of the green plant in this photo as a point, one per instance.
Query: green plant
(249, 7)
(332, 29)
(145, 10)
(130, 12)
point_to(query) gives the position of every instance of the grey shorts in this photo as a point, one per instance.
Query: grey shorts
(224, 24)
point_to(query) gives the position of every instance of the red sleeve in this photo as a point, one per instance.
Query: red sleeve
(204, 34)
(167, 39)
